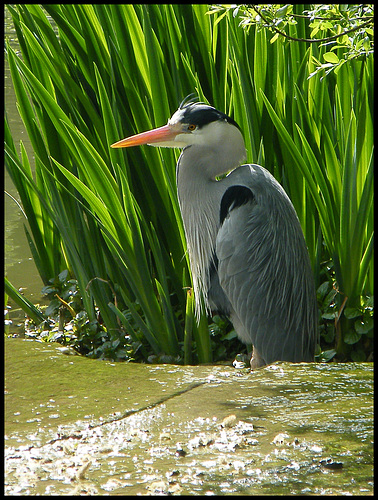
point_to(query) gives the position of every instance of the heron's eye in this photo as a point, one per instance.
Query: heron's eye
(192, 127)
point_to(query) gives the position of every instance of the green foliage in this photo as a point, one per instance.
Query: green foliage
(89, 75)
(23, 302)
(66, 321)
(347, 29)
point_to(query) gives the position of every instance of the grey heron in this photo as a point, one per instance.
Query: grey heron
(247, 252)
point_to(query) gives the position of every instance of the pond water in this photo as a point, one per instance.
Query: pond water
(19, 265)
(79, 426)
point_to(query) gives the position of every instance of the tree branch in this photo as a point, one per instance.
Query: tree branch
(310, 40)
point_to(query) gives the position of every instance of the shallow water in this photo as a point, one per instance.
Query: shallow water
(79, 426)
(19, 265)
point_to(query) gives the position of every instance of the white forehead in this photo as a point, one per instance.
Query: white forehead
(177, 117)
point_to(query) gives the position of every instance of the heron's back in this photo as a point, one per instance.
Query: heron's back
(263, 269)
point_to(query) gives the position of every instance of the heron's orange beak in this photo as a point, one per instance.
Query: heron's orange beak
(158, 135)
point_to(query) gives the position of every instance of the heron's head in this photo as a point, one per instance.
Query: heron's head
(194, 124)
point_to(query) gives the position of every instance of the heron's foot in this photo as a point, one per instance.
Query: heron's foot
(256, 360)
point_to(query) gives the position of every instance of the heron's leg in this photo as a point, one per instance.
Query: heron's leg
(256, 360)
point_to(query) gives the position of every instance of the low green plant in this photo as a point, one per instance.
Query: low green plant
(31, 310)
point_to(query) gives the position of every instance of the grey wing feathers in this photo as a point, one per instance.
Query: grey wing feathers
(264, 270)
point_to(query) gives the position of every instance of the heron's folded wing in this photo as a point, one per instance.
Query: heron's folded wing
(256, 257)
